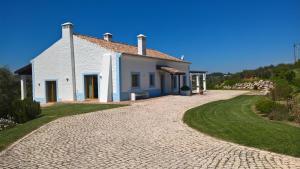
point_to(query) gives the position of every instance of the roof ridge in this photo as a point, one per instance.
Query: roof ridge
(123, 43)
(104, 40)
(117, 46)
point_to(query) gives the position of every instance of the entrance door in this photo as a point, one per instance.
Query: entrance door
(162, 84)
(51, 95)
(91, 86)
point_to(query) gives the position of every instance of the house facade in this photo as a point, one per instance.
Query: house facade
(79, 67)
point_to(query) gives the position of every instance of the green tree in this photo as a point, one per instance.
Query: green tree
(290, 76)
(9, 91)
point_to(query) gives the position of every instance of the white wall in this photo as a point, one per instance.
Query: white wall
(53, 64)
(91, 59)
(144, 66)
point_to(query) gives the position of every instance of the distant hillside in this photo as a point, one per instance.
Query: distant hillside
(286, 72)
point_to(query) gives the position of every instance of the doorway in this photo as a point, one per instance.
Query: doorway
(162, 84)
(91, 86)
(51, 92)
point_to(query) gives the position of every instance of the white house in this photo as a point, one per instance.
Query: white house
(79, 67)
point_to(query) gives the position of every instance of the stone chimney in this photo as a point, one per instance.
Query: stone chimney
(107, 37)
(141, 44)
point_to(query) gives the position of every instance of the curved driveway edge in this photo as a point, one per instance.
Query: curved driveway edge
(148, 134)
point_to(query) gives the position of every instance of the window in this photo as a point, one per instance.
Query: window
(135, 80)
(184, 80)
(175, 82)
(151, 79)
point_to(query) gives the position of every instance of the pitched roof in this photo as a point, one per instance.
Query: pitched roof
(129, 49)
(25, 70)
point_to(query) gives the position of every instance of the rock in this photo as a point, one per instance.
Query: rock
(260, 85)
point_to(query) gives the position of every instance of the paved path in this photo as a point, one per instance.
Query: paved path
(149, 134)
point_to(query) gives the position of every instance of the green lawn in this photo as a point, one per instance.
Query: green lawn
(234, 120)
(51, 113)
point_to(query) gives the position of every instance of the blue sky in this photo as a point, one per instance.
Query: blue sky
(215, 35)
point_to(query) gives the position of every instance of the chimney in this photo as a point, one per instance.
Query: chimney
(67, 30)
(141, 44)
(107, 37)
(67, 37)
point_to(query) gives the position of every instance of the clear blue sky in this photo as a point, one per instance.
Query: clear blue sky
(214, 35)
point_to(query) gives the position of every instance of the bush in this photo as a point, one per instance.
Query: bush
(25, 110)
(255, 87)
(296, 111)
(282, 90)
(185, 88)
(265, 106)
(279, 112)
(274, 111)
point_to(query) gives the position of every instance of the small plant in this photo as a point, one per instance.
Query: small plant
(185, 88)
(6, 123)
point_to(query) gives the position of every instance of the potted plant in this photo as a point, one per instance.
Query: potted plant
(201, 90)
(185, 91)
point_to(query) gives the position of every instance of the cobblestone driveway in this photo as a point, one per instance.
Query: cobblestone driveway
(148, 134)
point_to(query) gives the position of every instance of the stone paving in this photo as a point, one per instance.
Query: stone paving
(148, 134)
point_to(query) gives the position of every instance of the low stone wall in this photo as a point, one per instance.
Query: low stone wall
(259, 85)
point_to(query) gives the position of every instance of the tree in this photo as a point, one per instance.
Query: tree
(290, 76)
(9, 91)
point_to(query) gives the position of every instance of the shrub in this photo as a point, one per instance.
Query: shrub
(279, 112)
(274, 111)
(25, 110)
(296, 111)
(291, 118)
(255, 87)
(282, 90)
(265, 106)
(185, 88)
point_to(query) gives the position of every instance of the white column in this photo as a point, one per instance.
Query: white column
(106, 79)
(190, 82)
(23, 87)
(204, 82)
(198, 83)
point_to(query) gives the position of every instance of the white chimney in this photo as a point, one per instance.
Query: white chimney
(141, 44)
(67, 30)
(67, 37)
(107, 37)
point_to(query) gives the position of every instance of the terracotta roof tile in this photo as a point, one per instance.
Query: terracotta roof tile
(129, 49)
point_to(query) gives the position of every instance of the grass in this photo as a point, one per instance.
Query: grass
(48, 114)
(234, 120)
